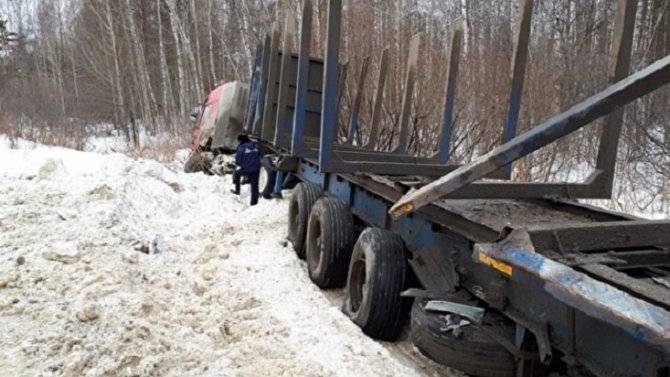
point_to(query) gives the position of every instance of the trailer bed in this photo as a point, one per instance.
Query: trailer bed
(642, 272)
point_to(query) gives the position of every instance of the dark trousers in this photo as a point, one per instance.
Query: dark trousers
(252, 177)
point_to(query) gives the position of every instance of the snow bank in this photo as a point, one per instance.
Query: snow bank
(111, 266)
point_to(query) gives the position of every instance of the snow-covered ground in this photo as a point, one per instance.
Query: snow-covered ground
(112, 266)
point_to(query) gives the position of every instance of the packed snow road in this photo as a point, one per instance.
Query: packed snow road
(111, 266)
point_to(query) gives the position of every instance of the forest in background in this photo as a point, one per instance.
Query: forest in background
(144, 63)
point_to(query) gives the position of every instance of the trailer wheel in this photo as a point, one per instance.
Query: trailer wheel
(268, 177)
(376, 278)
(330, 238)
(303, 198)
(266, 182)
(472, 352)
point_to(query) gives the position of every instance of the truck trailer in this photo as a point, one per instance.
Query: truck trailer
(497, 278)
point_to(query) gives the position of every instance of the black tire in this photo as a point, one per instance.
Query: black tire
(267, 168)
(269, 184)
(330, 238)
(303, 198)
(376, 278)
(473, 352)
(290, 182)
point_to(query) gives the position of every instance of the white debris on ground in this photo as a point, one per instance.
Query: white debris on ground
(111, 266)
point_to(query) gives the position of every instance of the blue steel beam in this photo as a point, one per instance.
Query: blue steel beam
(266, 131)
(282, 125)
(452, 83)
(520, 58)
(515, 256)
(353, 118)
(596, 106)
(619, 68)
(379, 97)
(298, 132)
(329, 109)
(260, 102)
(410, 80)
(342, 74)
(254, 89)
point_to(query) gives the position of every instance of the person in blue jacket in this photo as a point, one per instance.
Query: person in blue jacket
(247, 166)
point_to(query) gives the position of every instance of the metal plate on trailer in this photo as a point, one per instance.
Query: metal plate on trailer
(496, 214)
(646, 322)
(500, 213)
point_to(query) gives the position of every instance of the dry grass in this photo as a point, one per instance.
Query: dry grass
(161, 147)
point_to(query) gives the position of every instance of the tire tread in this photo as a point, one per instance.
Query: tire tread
(304, 196)
(475, 353)
(385, 309)
(337, 232)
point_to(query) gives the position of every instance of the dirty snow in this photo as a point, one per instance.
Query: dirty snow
(112, 266)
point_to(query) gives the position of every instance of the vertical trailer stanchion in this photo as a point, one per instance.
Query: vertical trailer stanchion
(329, 110)
(342, 74)
(410, 79)
(260, 104)
(520, 57)
(254, 89)
(302, 81)
(282, 125)
(375, 124)
(353, 118)
(271, 92)
(452, 82)
(624, 29)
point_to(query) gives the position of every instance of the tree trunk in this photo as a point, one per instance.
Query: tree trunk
(182, 90)
(168, 101)
(144, 81)
(120, 108)
(210, 40)
(186, 47)
(196, 37)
